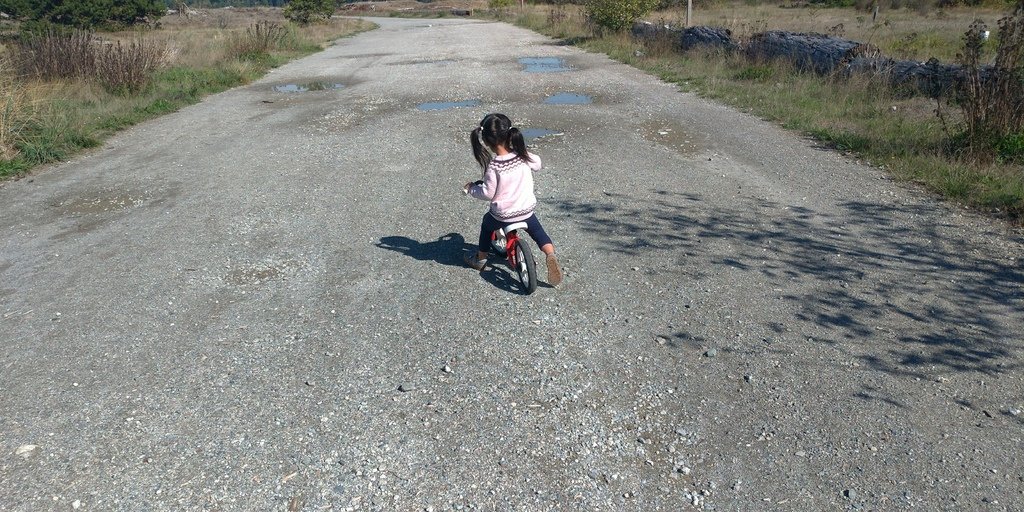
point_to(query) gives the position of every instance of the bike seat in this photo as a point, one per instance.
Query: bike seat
(512, 227)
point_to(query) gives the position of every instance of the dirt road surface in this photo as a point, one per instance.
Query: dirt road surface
(217, 310)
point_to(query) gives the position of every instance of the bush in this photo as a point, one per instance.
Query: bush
(993, 100)
(56, 54)
(52, 53)
(1010, 149)
(304, 12)
(258, 41)
(127, 68)
(618, 15)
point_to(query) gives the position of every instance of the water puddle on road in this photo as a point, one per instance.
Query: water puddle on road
(568, 98)
(445, 105)
(543, 64)
(312, 86)
(671, 136)
(103, 203)
(536, 134)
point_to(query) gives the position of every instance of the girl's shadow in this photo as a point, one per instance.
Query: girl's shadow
(448, 250)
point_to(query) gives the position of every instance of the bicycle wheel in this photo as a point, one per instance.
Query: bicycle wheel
(526, 266)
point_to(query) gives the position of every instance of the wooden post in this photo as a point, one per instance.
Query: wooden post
(689, 12)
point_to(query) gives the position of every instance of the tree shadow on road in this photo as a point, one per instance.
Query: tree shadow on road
(893, 279)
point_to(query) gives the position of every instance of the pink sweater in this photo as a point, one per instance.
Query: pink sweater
(508, 185)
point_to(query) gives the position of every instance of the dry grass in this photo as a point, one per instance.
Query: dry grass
(900, 33)
(17, 107)
(71, 113)
(860, 116)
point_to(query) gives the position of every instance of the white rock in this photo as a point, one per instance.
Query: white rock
(26, 450)
(76, 504)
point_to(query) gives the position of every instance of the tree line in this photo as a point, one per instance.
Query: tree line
(110, 13)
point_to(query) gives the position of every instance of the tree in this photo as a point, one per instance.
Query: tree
(305, 11)
(617, 15)
(86, 14)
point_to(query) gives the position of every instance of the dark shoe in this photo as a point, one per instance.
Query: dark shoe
(554, 271)
(470, 260)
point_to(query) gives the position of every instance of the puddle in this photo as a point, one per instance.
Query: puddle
(312, 86)
(102, 204)
(568, 98)
(445, 105)
(672, 137)
(533, 134)
(543, 64)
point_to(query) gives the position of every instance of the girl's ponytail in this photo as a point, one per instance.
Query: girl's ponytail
(517, 144)
(481, 153)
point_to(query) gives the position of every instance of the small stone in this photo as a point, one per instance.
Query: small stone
(447, 369)
(850, 494)
(26, 450)
(405, 388)
(76, 504)
(1015, 411)
(712, 352)
(310, 383)
(801, 453)
(748, 378)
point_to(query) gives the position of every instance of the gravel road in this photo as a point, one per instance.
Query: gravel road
(258, 303)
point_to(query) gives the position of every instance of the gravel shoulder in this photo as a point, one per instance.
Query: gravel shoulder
(216, 310)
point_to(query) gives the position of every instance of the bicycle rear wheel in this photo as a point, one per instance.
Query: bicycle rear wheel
(525, 266)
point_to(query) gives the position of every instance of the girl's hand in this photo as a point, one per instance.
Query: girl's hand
(466, 187)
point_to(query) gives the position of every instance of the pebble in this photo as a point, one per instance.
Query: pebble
(1015, 412)
(748, 378)
(405, 388)
(712, 352)
(850, 494)
(26, 450)
(447, 369)
(76, 504)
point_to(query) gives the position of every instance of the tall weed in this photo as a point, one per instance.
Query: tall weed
(993, 99)
(258, 40)
(127, 68)
(53, 54)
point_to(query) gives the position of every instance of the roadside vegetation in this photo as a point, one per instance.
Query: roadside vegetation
(967, 146)
(64, 89)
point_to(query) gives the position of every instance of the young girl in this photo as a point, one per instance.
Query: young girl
(508, 185)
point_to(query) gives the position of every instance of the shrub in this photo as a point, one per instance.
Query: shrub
(617, 15)
(52, 53)
(258, 41)
(305, 11)
(1010, 149)
(993, 100)
(127, 68)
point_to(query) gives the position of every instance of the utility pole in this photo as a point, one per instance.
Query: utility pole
(689, 12)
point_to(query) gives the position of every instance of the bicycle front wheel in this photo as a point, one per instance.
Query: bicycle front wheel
(525, 266)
